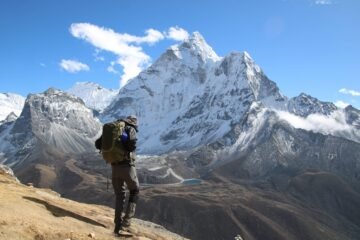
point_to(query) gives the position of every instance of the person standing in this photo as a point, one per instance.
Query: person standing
(119, 150)
(124, 172)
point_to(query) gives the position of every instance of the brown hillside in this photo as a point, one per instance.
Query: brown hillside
(32, 213)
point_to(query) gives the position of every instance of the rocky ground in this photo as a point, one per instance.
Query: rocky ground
(32, 213)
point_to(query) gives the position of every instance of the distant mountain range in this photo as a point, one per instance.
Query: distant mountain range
(212, 129)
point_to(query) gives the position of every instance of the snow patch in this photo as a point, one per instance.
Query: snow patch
(156, 168)
(170, 172)
(256, 121)
(10, 102)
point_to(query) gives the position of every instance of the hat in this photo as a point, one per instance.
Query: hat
(133, 119)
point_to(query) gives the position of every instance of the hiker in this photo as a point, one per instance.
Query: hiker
(123, 167)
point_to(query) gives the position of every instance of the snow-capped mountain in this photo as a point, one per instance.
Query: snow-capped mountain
(95, 96)
(304, 105)
(54, 119)
(10, 103)
(190, 96)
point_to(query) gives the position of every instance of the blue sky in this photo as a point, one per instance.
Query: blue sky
(310, 46)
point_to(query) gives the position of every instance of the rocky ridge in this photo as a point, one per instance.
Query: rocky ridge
(53, 118)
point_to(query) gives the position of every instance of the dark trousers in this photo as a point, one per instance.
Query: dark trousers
(121, 175)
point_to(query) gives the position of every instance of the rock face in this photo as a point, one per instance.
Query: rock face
(5, 170)
(353, 116)
(51, 119)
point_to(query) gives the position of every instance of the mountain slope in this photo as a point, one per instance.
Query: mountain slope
(221, 209)
(54, 119)
(31, 213)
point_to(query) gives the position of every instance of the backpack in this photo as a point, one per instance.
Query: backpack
(112, 142)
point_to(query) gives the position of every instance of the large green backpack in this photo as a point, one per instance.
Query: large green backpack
(112, 148)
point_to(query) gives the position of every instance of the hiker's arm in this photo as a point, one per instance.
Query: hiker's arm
(130, 144)
(98, 143)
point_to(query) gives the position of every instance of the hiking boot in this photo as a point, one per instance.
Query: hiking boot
(126, 223)
(130, 212)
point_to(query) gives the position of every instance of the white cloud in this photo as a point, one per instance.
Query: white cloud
(335, 124)
(341, 104)
(323, 2)
(131, 57)
(152, 36)
(176, 33)
(73, 66)
(43, 65)
(349, 92)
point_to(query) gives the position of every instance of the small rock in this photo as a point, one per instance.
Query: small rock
(238, 237)
(30, 184)
(91, 235)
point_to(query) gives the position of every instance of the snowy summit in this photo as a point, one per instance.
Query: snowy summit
(95, 96)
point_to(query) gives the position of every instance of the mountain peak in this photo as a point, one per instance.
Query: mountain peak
(247, 57)
(304, 105)
(195, 48)
(94, 95)
(242, 57)
(11, 117)
(55, 95)
(54, 118)
(197, 39)
(52, 91)
(10, 102)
